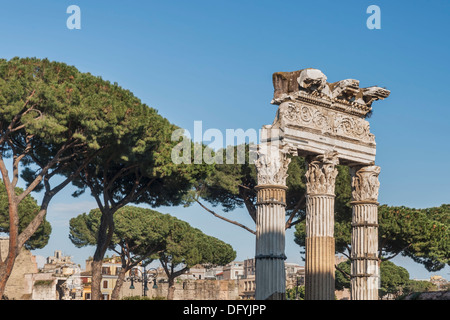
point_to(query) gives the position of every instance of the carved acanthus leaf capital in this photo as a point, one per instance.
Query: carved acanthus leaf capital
(365, 183)
(272, 165)
(321, 174)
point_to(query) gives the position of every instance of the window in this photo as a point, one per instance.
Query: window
(87, 296)
(105, 284)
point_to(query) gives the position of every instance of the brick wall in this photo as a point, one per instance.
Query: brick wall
(189, 290)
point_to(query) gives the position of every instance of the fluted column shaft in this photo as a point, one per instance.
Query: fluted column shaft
(365, 271)
(270, 243)
(320, 246)
(320, 250)
(270, 278)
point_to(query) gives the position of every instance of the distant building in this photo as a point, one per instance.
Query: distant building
(234, 270)
(60, 265)
(219, 276)
(59, 258)
(61, 279)
(439, 282)
(58, 280)
(17, 287)
(249, 268)
(247, 287)
(202, 272)
(110, 269)
(295, 276)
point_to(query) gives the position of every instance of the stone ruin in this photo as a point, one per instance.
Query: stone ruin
(327, 124)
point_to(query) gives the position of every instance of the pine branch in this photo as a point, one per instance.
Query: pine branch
(225, 219)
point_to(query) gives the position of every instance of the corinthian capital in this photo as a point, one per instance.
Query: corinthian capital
(321, 174)
(365, 183)
(272, 165)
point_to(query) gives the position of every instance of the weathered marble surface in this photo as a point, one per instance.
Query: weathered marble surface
(315, 116)
(326, 123)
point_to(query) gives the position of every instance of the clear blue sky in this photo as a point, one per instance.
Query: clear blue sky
(213, 60)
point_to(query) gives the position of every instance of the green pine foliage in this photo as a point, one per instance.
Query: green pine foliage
(144, 234)
(27, 210)
(420, 234)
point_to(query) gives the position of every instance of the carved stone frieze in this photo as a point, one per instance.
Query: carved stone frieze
(365, 183)
(321, 174)
(326, 121)
(353, 127)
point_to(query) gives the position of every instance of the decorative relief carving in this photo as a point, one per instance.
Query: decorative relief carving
(316, 118)
(292, 112)
(321, 174)
(365, 183)
(272, 165)
(327, 121)
(353, 127)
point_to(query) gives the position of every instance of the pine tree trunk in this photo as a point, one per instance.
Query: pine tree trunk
(6, 266)
(119, 284)
(5, 272)
(105, 233)
(96, 293)
(171, 290)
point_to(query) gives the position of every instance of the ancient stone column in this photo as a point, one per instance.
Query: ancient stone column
(320, 247)
(272, 165)
(364, 256)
